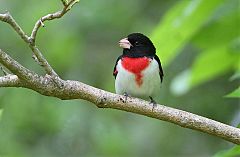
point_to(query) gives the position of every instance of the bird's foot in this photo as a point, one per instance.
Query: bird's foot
(126, 95)
(153, 102)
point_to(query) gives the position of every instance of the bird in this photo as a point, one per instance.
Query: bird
(138, 71)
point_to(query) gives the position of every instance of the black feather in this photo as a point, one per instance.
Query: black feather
(115, 67)
(160, 67)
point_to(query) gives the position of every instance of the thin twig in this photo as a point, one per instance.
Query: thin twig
(64, 2)
(42, 61)
(15, 67)
(4, 72)
(6, 17)
(49, 17)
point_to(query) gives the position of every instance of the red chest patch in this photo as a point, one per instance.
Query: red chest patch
(136, 66)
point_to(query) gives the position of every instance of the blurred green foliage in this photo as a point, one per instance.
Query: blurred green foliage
(233, 152)
(235, 93)
(179, 26)
(191, 22)
(197, 41)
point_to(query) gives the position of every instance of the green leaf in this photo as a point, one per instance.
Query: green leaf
(179, 25)
(233, 152)
(234, 94)
(212, 35)
(212, 63)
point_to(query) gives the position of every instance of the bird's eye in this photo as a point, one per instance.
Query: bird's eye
(136, 43)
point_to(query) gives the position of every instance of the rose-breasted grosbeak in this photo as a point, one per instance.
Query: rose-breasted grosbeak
(138, 71)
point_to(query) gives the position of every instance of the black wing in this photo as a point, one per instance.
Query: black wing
(160, 67)
(115, 72)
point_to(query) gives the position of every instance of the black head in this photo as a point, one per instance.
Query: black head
(137, 45)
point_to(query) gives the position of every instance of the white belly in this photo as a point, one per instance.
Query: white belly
(126, 82)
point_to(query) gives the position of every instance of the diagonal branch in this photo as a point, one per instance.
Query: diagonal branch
(15, 67)
(103, 99)
(6, 17)
(32, 39)
(4, 72)
(42, 61)
(48, 17)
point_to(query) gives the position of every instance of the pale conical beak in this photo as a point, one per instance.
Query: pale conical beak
(124, 43)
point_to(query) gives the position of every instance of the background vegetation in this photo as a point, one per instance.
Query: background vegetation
(197, 41)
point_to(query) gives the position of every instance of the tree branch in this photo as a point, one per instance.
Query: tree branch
(42, 61)
(40, 58)
(104, 99)
(4, 72)
(10, 81)
(6, 17)
(48, 17)
(15, 67)
(46, 85)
